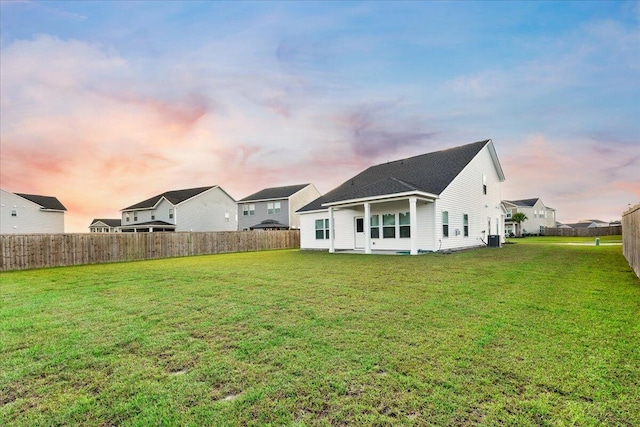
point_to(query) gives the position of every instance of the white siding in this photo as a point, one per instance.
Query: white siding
(212, 210)
(344, 224)
(308, 231)
(302, 198)
(465, 196)
(29, 219)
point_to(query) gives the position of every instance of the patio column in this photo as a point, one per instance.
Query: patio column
(367, 226)
(332, 244)
(413, 224)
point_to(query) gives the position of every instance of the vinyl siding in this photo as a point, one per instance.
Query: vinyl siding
(344, 223)
(29, 219)
(203, 212)
(465, 196)
(262, 214)
(212, 210)
(308, 231)
(298, 200)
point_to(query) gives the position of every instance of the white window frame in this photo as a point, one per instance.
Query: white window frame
(322, 226)
(273, 208)
(445, 223)
(404, 226)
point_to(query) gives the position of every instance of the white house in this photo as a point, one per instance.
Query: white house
(538, 215)
(193, 209)
(30, 213)
(275, 207)
(448, 199)
(105, 225)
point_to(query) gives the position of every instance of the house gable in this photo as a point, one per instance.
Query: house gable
(174, 197)
(429, 174)
(28, 213)
(449, 199)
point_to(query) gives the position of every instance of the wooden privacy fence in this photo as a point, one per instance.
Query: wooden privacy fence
(613, 230)
(631, 237)
(20, 252)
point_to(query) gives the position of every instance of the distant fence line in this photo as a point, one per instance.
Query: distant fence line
(26, 251)
(613, 230)
(631, 237)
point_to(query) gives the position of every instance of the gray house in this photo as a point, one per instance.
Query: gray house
(275, 207)
(193, 209)
(30, 213)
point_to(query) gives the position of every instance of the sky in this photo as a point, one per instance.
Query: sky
(105, 104)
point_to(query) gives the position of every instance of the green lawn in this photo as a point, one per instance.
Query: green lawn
(530, 334)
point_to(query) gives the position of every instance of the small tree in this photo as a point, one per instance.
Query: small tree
(518, 218)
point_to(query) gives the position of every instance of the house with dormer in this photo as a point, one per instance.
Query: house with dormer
(22, 213)
(193, 209)
(444, 200)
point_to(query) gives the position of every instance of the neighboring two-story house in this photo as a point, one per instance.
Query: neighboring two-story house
(275, 207)
(29, 213)
(194, 209)
(444, 200)
(105, 225)
(538, 215)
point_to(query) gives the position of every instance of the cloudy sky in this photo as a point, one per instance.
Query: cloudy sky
(104, 104)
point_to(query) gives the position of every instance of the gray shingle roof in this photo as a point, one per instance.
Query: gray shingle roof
(109, 222)
(429, 173)
(46, 202)
(175, 197)
(270, 224)
(524, 202)
(274, 193)
(149, 223)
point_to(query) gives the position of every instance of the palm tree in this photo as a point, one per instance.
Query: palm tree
(518, 218)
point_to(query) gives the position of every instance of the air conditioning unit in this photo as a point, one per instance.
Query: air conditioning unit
(494, 241)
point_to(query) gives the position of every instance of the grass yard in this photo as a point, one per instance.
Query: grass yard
(530, 334)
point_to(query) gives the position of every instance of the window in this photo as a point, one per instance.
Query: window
(389, 226)
(445, 224)
(273, 208)
(359, 225)
(465, 225)
(14, 212)
(135, 216)
(248, 210)
(127, 218)
(153, 217)
(484, 184)
(170, 213)
(322, 229)
(375, 226)
(405, 224)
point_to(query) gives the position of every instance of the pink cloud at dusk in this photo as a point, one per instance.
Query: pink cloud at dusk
(106, 104)
(573, 178)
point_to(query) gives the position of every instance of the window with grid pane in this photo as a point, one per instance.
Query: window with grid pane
(389, 226)
(405, 224)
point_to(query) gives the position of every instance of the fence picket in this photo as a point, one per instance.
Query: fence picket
(20, 252)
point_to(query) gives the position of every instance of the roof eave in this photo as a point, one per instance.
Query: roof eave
(382, 198)
(242, 202)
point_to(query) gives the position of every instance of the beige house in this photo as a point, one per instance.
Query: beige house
(538, 215)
